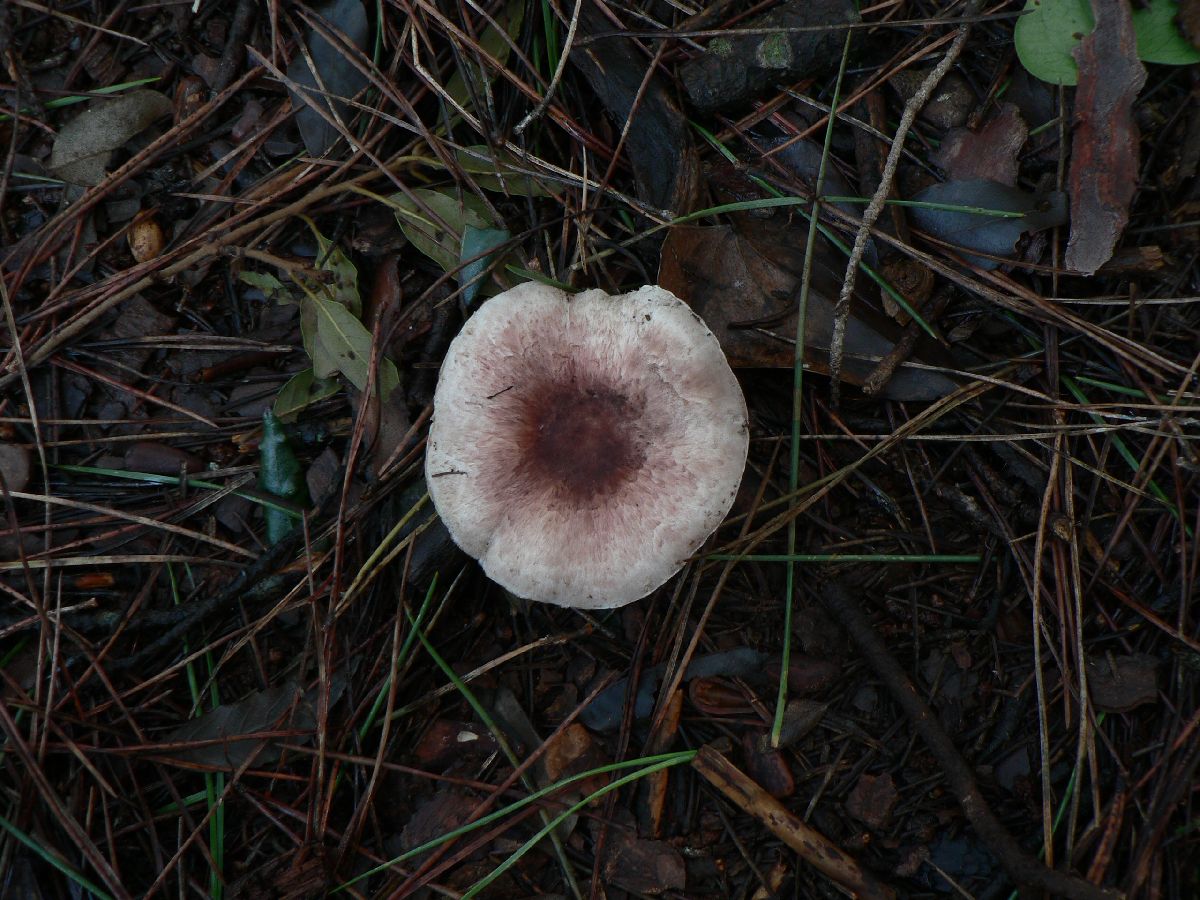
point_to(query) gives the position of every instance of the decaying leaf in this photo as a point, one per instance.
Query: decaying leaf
(1122, 683)
(745, 282)
(337, 79)
(14, 466)
(1104, 148)
(985, 232)
(283, 707)
(658, 143)
(639, 865)
(83, 147)
(470, 78)
(801, 38)
(990, 152)
(872, 800)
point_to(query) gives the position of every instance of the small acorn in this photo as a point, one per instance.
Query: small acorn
(146, 238)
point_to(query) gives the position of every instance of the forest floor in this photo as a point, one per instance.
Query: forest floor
(945, 644)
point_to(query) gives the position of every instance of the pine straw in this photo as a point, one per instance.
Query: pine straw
(1065, 464)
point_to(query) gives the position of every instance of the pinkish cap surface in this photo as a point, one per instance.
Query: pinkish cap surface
(583, 447)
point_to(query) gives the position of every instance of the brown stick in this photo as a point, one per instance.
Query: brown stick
(816, 849)
(1021, 867)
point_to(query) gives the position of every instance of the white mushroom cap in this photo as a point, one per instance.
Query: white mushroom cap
(583, 447)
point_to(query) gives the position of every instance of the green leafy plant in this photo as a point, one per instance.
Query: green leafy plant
(1049, 30)
(281, 474)
(453, 230)
(334, 336)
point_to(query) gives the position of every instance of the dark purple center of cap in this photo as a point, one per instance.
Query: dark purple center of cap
(585, 441)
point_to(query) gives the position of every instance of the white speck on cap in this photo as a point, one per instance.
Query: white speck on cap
(583, 447)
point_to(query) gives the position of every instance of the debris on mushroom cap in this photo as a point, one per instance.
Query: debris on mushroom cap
(582, 447)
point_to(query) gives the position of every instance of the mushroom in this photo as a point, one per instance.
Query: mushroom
(583, 447)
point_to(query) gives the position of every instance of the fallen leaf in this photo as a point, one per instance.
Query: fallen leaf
(446, 810)
(160, 459)
(468, 84)
(638, 865)
(1189, 20)
(800, 717)
(450, 744)
(85, 144)
(1104, 148)
(1121, 683)
(767, 765)
(301, 390)
(792, 41)
(990, 152)
(339, 342)
(14, 466)
(337, 79)
(746, 291)
(985, 232)
(565, 751)
(950, 105)
(606, 711)
(658, 142)
(434, 222)
(872, 800)
(341, 284)
(499, 170)
(476, 256)
(283, 707)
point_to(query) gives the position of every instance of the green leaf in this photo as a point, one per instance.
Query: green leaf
(344, 284)
(302, 389)
(492, 42)
(279, 474)
(341, 343)
(1159, 39)
(439, 238)
(1047, 33)
(476, 241)
(493, 171)
(272, 287)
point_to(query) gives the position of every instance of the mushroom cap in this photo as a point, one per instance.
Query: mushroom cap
(583, 447)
